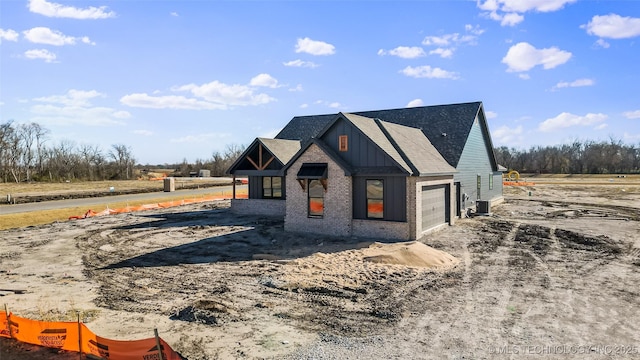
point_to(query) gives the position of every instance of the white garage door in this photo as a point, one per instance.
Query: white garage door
(434, 209)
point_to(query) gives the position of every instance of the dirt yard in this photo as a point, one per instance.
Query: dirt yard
(554, 270)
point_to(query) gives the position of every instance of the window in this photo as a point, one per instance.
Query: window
(343, 143)
(375, 199)
(490, 181)
(479, 186)
(316, 197)
(271, 187)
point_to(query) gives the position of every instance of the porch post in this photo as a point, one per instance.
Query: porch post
(234, 187)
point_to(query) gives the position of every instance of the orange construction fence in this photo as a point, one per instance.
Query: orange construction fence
(76, 336)
(162, 205)
(518, 183)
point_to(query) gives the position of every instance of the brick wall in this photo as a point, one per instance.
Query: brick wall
(268, 207)
(337, 199)
(382, 229)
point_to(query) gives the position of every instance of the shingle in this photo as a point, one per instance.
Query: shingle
(282, 149)
(418, 151)
(454, 120)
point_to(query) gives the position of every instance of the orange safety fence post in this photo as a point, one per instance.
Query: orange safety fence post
(5, 322)
(158, 346)
(79, 337)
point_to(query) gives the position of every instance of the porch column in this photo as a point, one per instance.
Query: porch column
(234, 187)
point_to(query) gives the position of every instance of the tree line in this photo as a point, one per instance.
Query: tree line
(578, 157)
(26, 155)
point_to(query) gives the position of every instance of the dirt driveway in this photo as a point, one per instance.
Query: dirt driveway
(555, 270)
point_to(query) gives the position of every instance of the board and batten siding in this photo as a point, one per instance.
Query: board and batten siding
(394, 197)
(361, 151)
(475, 160)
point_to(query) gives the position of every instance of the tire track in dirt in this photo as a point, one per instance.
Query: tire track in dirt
(442, 327)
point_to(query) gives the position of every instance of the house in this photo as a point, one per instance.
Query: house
(398, 173)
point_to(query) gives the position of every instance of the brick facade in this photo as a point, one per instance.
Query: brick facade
(337, 198)
(338, 212)
(267, 207)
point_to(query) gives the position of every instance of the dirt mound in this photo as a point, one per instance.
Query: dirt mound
(412, 253)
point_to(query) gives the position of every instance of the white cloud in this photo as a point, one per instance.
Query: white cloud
(522, 6)
(44, 35)
(601, 127)
(144, 100)
(9, 35)
(173, 13)
(404, 52)
(75, 98)
(51, 9)
(566, 120)
(444, 53)
(524, 76)
(75, 108)
(523, 57)
(314, 47)
(210, 96)
(474, 29)
(506, 135)
(446, 44)
(576, 83)
(602, 43)
(335, 105)
(451, 39)
(304, 106)
(297, 88)
(511, 19)
(300, 63)
(265, 80)
(427, 71)
(415, 103)
(143, 132)
(491, 114)
(632, 114)
(199, 138)
(613, 26)
(43, 54)
(508, 12)
(223, 94)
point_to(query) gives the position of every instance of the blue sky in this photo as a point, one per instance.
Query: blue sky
(183, 79)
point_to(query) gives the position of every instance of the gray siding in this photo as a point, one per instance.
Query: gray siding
(395, 190)
(475, 161)
(361, 151)
(255, 189)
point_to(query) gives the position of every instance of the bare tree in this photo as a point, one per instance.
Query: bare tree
(123, 160)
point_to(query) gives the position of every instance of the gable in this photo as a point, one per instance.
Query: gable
(268, 155)
(368, 147)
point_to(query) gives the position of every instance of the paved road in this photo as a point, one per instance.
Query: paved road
(89, 202)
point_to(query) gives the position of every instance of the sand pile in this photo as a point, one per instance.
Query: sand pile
(369, 262)
(412, 253)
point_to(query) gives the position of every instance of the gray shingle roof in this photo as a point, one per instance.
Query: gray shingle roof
(282, 149)
(420, 154)
(454, 120)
